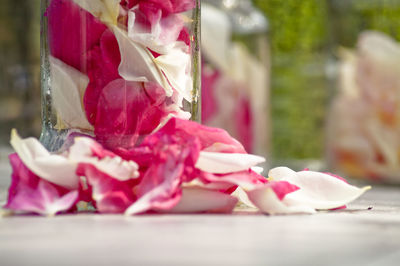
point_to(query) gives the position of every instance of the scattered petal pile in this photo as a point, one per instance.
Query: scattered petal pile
(183, 167)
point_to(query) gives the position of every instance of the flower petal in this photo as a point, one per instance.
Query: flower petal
(317, 190)
(176, 66)
(106, 10)
(72, 32)
(51, 167)
(137, 63)
(109, 194)
(223, 163)
(29, 193)
(196, 200)
(67, 89)
(266, 200)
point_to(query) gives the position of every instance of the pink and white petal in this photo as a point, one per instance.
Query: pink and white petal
(223, 163)
(322, 191)
(54, 168)
(196, 200)
(110, 195)
(317, 190)
(137, 63)
(86, 150)
(248, 180)
(267, 201)
(29, 193)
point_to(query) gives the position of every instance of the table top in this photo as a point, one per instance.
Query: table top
(367, 233)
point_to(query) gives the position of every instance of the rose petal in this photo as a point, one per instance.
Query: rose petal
(51, 167)
(317, 190)
(106, 10)
(176, 66)
(29, 193)
(195, 200)
(223, 163)
(72, 32)
(109, 194)
(137, 63)
(266, 200)
(127, 110)
(86, 150)
(67, 89)
(161, 37)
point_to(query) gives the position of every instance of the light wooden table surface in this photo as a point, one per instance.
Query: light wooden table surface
(356, 236)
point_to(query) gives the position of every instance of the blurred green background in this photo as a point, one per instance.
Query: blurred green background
(302, 36)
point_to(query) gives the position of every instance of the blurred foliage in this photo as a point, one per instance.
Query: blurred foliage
(298, 35)
(350, 17)
(19, 67)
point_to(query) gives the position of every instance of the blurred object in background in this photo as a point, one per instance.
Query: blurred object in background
(19, 68)
(299, 88)
(364, 122)
(235, 71)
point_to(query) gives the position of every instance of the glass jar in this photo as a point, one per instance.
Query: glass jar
(364, 121)
(117, 69)
(235, 71)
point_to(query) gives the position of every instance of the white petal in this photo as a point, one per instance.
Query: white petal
(317, 190)
(176, 67)
(322, 191)
(223, 163)
(265, 200)
(106, 10)
(54, 168)
(137, 63)
(155, 40)
(68, 86)
(203, 200)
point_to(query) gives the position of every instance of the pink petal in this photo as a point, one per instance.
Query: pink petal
(110, 195)
(127, 110)
(209, 105)
(29, 193)
(103, 62)
(211, 139)
(72, 32)
(195, 200)
(170, 162)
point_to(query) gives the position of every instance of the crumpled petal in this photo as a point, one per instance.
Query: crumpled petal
(223, 163)
(162, 35)
(167, 7)
(105, 10)
(109, 194)
(29, 193)
(317, 190)
(196, 200)
(137, 63)
(68, 86)
(61, 169)
(176, 66)
(167, 161)
(52, 167)
(86, 150)
(211, 139)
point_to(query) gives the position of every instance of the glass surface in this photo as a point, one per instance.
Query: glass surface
(116, 70)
